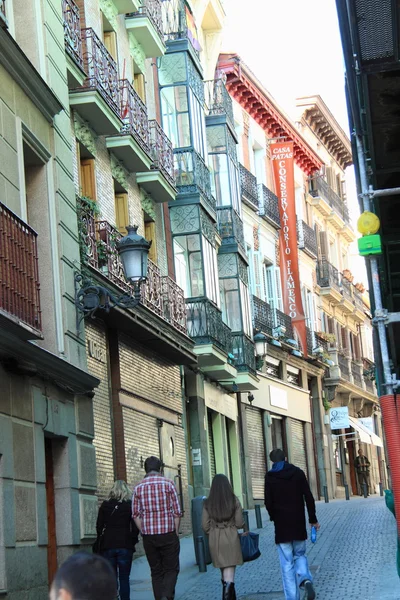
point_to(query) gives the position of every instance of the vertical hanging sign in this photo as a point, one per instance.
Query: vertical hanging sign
(283, 171)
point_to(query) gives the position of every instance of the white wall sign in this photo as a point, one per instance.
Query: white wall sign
(339, 417)
(278, 397)
(368, 423)
(196, 457)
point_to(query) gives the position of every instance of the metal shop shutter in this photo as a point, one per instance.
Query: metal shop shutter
(211, 450)
(255, 435)
(299, 454)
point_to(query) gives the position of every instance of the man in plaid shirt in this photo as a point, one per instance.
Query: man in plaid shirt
(156, 512)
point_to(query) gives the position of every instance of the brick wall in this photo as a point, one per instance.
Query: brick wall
(148, 375)
(95, 334)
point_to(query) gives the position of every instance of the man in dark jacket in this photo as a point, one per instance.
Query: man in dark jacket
(286, 488)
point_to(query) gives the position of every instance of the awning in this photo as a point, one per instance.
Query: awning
(366, 435)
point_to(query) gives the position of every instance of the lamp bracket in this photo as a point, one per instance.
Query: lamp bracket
(89, 298)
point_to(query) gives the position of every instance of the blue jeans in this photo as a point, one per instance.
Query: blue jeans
(294, 568)
(121, 560)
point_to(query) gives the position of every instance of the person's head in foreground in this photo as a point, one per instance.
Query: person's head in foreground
(84, 576)
(277, 455)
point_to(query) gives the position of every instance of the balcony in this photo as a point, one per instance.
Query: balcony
(285, 322)
(177, 34)
(315, 341)
(98, 100)
(132, 145)
(160, 295)
(248, 188)
(159, 181)
(269, 208)
(125, 6)
(213, 339)
(243, 351)
(146, 24)
(193, 177)
(19, 277)
(347, 303)
(219, 104)
(73, 43)
(230, 227)
(263, 316)
(328, 280)
(325, 199)
(307, 239)
(343, 363)
(357, 373)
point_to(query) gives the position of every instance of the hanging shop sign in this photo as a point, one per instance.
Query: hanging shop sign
(339, 417)
(283, 171)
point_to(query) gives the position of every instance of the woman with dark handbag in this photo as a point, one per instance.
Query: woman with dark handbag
(117, 534)
(221, 519)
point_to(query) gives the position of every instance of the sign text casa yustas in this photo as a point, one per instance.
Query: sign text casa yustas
(283, 171)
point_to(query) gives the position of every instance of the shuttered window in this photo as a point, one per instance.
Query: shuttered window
(150, 235)
(110, 42)
(256, 451)
(299, 452)
(211, 450)
(139, 85)
(323, 245)
(121, 212)
(88, 178)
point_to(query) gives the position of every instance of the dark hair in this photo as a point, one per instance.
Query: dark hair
(221, 502)
(86, 577)
(277, 455)
(152, 464)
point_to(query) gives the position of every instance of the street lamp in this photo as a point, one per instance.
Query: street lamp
(261, 347)
(133, 250)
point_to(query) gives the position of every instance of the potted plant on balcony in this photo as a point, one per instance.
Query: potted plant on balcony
(328, 337)
(103, 256)
(347, 274)
(360, 287)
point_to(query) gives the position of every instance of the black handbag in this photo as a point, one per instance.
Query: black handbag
(249, 546)
(97, 546)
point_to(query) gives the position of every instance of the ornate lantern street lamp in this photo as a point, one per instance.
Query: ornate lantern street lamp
(133, 250)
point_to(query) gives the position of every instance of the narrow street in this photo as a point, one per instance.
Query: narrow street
(354, 558)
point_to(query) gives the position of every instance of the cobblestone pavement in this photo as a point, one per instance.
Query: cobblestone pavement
(354, 559)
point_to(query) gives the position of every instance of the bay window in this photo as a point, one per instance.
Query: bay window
(189, 265)
(223, 167)
(235, 304)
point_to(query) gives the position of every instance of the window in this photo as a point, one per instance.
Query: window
(293, 376)
(245, 302)
(273, 367)
(150, 235)
(121, 212)
(230, 303)
(140, 85)
(189, 265)
(198, 125)
(175, 115)
(225, 181)
(308, 307)
(273, 288)
(211, 271)
(87, 178)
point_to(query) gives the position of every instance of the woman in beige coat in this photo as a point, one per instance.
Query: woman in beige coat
(222, 517)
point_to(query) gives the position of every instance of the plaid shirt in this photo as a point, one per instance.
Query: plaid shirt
(156, 503)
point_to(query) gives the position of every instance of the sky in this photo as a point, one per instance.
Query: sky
(294, 49)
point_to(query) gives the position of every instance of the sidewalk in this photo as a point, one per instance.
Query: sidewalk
(354, 558)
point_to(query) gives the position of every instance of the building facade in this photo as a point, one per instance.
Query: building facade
(47, 457)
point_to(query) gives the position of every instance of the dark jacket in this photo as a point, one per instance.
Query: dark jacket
(285, 492)
(121, 531)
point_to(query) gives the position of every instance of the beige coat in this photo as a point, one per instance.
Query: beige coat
(223, 538)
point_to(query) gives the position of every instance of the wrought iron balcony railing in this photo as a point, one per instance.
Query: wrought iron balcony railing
(248, 186)
(263, 315)
(19, 273)
(192, 175)
(343, 362)
(134, 115)
(346, 288)
(175, 15)
(205, 324)
(286, 322)
(72, 31)
(162, 152)
(159, 294)
(153, 10)
(230, 226)
(243, 351)
(327, 275)
(307, 238)
(315, 341)
(269, 205)
(217, 99)
(358, 299)
(101, 69)
(357, 373)
(319, 187)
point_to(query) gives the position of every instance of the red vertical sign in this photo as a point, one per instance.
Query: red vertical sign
(283, 170)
